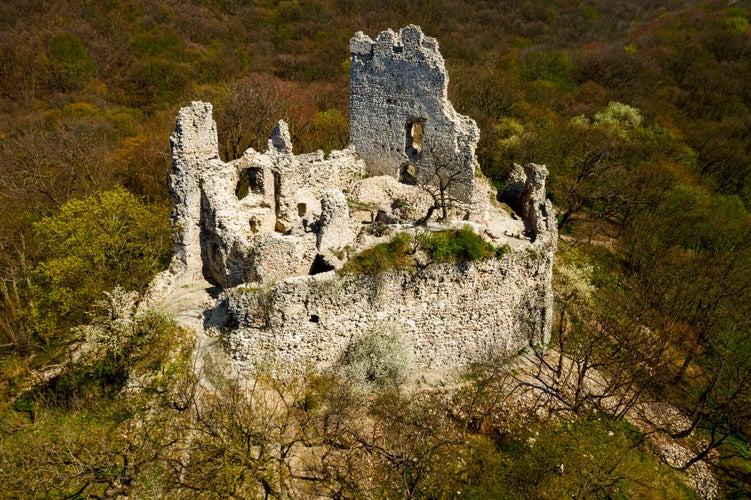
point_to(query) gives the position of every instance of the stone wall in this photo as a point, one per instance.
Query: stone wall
(452, 315)
(229, 235)
(401, 121)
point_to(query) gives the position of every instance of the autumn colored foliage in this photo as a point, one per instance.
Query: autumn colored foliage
(640, 110)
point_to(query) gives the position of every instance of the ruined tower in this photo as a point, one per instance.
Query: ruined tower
(401, 121)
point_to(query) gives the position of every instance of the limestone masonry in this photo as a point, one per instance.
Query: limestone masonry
(271, 229)
(400, 114)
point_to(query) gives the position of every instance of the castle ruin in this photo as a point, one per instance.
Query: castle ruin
(271, 229)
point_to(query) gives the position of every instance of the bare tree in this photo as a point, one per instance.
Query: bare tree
(246, 113)
(440, 177)
(48, 167)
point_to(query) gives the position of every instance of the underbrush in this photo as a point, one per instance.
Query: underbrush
(93, 428)
(444, 246)
(312, 435)
(118, 345)
(459, 246)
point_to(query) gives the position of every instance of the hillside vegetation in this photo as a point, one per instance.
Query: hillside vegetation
(642, 113)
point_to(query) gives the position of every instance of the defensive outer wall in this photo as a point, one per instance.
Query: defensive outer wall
(275, 249)
(451, 314)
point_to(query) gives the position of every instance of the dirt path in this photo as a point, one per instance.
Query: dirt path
(189, 302)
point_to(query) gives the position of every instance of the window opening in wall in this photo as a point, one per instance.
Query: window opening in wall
(320, 266)
(417, 136)
(301, 209)
(408, 174)
(413, 146)
(250, 181)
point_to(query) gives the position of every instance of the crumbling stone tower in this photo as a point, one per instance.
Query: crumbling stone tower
(401, 121)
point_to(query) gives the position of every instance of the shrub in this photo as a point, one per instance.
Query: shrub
(458, 246)
(380, 359)
(394, 254)
(502, 250)
(69, 62)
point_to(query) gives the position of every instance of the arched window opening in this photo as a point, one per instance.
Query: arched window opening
(250, 181)
(414, 131)
(417, 136)
(408, 174)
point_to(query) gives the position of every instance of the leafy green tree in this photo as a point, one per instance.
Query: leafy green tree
(554, 67)
(92, 245)
(85, 436)
(619, 116)
(69, 62)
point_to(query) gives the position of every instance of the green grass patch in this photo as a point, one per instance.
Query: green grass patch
(444, 246)
(394, 254)
(459, 246)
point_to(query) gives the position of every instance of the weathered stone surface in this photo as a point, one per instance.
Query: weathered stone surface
(516, 184)
(223, 211)
(400, 113)
(335, 230)
(451, 314)
(275, 256)
(384, 193)
(280, 139)
(195, 148)
(525, 190)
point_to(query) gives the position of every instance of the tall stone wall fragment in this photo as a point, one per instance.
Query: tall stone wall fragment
(195, 149)
(525, 191)
(401, 121)
(335, 229)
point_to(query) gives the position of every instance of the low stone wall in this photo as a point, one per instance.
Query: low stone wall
(453, 314)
